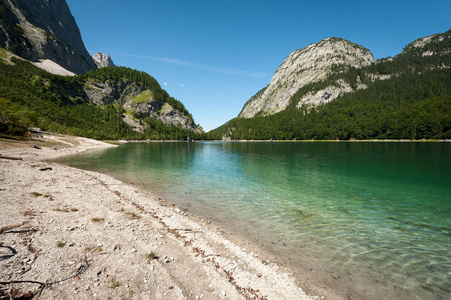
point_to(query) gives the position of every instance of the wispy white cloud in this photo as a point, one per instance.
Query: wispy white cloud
(190, 64)
(182, 85)
(165, 83)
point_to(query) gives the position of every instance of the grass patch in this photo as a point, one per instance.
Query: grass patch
(36, 194)
(93, 249)
(97, 220)
(145, 96)
(5, 56)
(151, 255)
(265, 262)
(60, 244)
(65, 209)
(114, 283)
(133, 215)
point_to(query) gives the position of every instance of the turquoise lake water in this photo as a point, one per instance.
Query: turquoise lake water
(377, 213)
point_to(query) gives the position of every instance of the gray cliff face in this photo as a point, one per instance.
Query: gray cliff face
(135, 98)
(103, 60)
(44, 30)
(103, 93)
(304, 66)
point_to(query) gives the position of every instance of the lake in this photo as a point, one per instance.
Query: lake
(371, 218)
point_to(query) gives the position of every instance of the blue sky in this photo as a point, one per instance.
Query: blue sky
(214, 55)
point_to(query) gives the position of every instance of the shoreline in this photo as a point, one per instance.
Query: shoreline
(288, 141)
(87, 234)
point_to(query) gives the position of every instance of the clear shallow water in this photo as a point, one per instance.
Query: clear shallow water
(378, 212)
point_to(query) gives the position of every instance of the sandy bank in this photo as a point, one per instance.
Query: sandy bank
(84, 235)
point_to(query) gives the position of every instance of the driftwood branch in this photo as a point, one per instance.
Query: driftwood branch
(21, 281)
(9, 227)
(28, 295)
(43, 285)
(9, 157)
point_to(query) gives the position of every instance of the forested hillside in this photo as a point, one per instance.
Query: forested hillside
(130, 75)
(405, 107)
(31, 97)
(406, 97)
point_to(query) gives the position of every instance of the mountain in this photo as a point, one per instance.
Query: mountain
(44, 32)
(40, 40)
(103, 60)
(335, 90)
(304, 66)
(107, 103)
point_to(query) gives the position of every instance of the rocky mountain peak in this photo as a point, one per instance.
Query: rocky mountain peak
(103, 60)
(41, 30)
(310, 64)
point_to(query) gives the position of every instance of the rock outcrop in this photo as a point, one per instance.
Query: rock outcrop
(42, 30)
(103, 60)
(304, 66)
(136, 99)
(327, 94)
